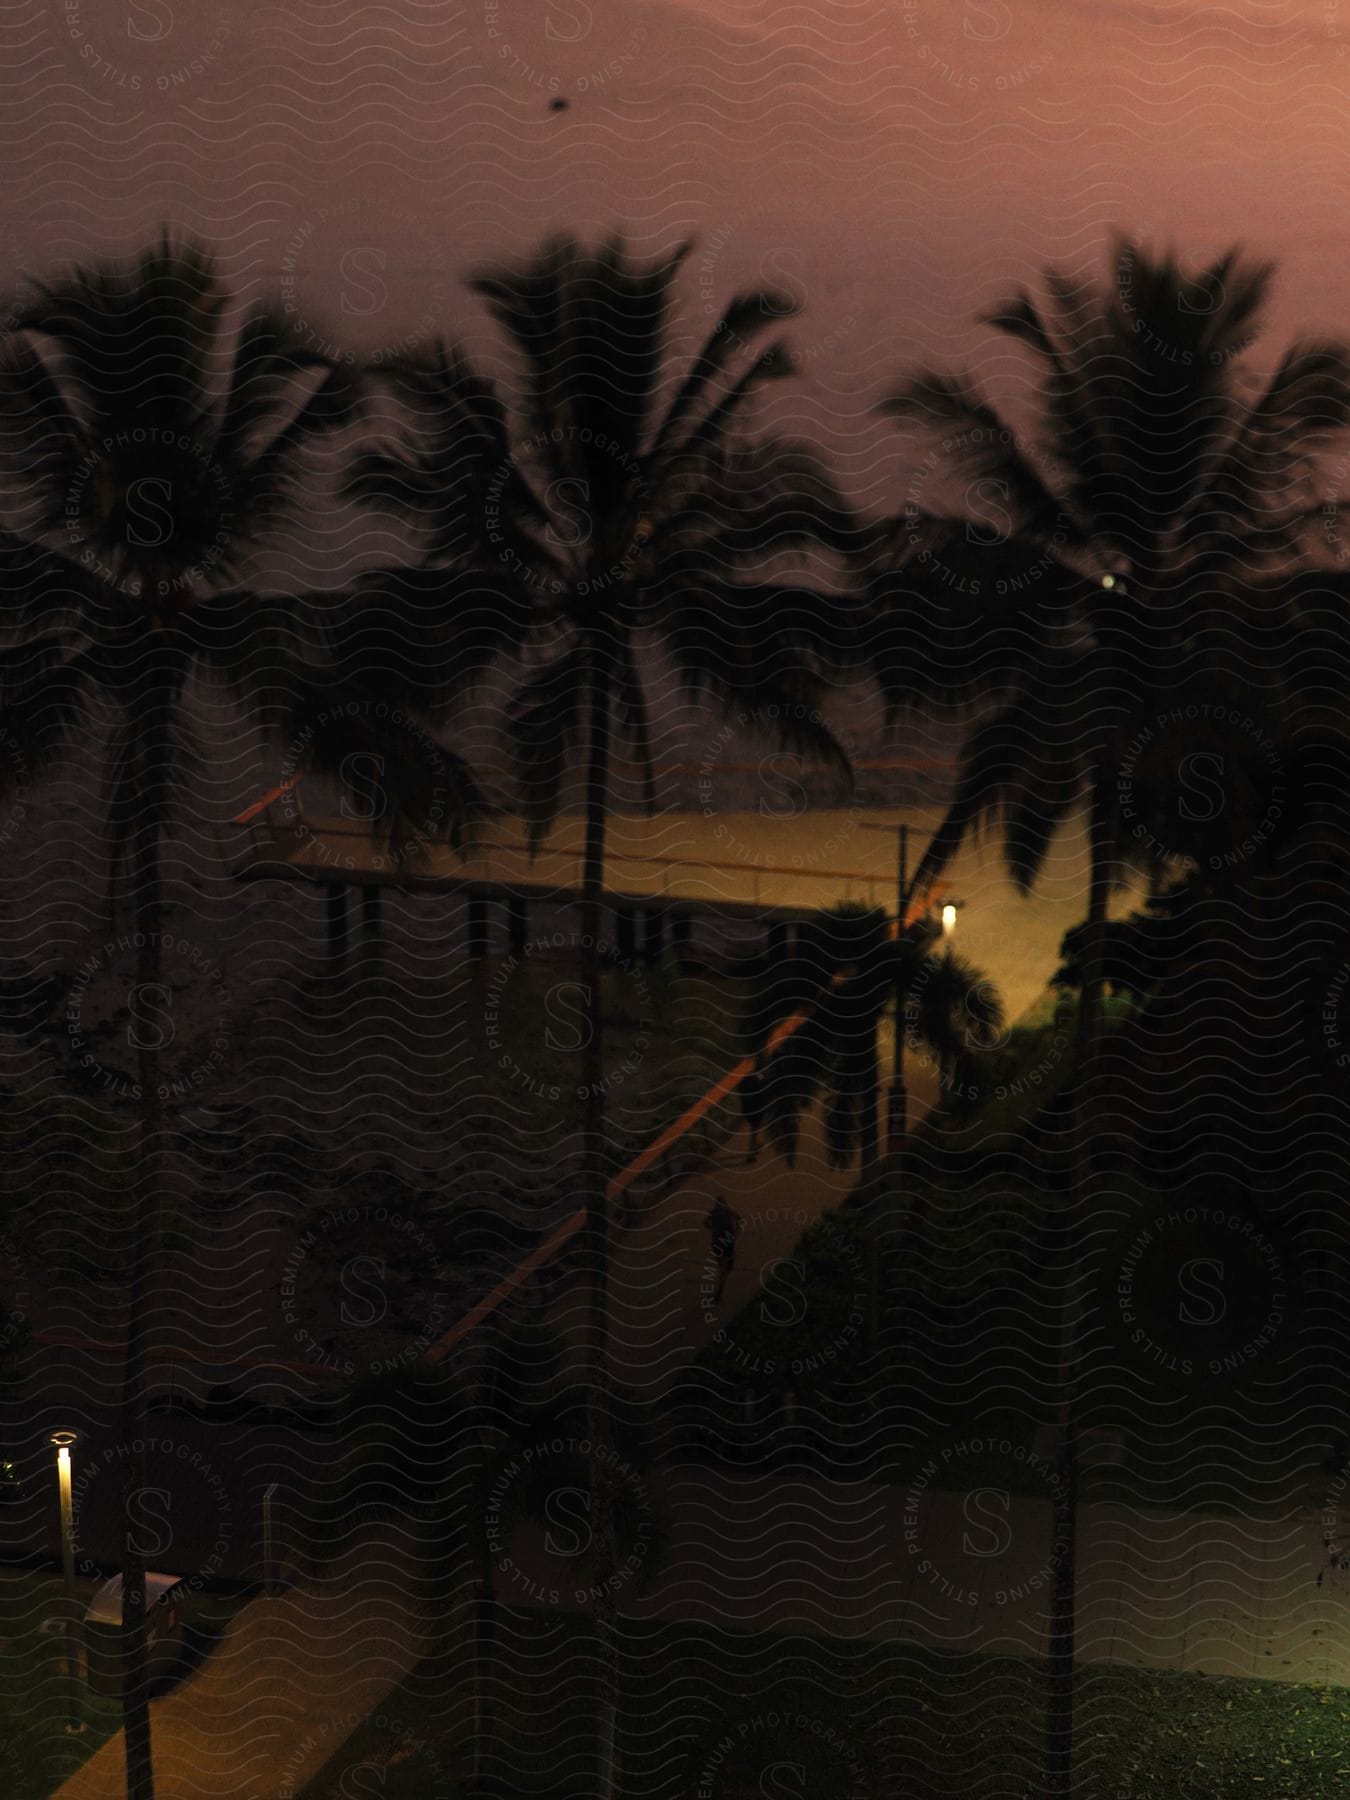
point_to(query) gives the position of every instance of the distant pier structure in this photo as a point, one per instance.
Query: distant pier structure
(750, 877)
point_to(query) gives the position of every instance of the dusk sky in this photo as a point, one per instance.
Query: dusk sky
(896, 163)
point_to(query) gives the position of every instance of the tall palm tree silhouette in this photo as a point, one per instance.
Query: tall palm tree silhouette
(631, 513)
(1089, 589)
(149, 437)
(845, 980)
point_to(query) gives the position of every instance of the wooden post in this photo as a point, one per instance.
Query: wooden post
(517, 922)
(478, 925)
(270, 1583)
(370, 912)
(654, 940)
(625, 930)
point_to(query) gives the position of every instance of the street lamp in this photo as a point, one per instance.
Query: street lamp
(64, 1442)
(948, 920)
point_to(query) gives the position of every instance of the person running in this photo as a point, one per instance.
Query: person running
(722, 1225)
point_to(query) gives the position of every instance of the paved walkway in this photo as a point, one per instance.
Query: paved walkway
(660, 1315)
(291, 1680)
(660, 1304)
(971, 1572)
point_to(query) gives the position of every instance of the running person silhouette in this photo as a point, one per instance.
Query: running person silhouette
(722, 1225)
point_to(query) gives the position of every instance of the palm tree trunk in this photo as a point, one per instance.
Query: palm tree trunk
(869, 1111)
(154, 724)
(1063, 1624)
(597, 1219)
(484, 1651)
(484, 1609)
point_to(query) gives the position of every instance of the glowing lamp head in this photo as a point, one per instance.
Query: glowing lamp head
(1108, 581)
(948, 917)
(64, 1439)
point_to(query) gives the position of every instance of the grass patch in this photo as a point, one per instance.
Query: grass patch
(715, 1712)
(37, 1753)
(957, 1344)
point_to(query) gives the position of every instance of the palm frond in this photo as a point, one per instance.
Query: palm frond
(414, 791)
(1250, 502)
(44, 699)
(958, 1010)
(713, 430)
(136, 336)
(40, 592)
(168, 442)
(750, 644)
(282, 395)
(451, 469)
(257, 646)
(982, 451)
(590, 327)
(430, 632)
(1020, 318)
(772, 496)
(747, 317)
(1024, 770)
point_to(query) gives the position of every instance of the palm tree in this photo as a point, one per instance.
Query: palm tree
(1111, 596)
(631, 516)
(149, 437)
(458, 1468)
(845, 979)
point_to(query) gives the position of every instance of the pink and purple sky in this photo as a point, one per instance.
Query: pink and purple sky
(898, 164)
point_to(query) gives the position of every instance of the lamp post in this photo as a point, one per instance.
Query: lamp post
(270, 1585)
(64, 1442)
(897, 1100)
